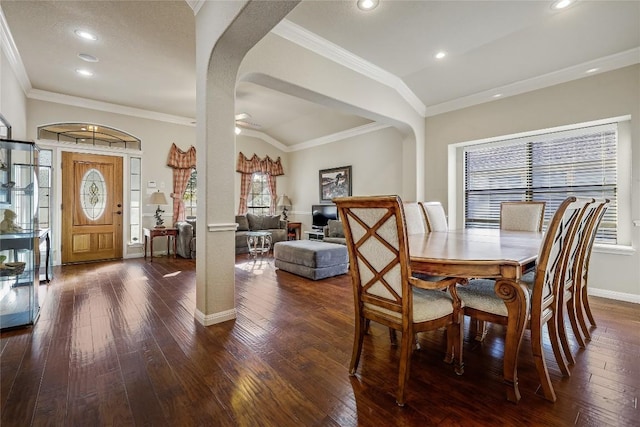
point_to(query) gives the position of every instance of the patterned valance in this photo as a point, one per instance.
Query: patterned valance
(256, 164)
(179, 159)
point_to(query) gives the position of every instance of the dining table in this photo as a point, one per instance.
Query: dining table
(486, 253)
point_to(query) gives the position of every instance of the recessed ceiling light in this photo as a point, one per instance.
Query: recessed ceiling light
(440, 55)
(368, 4)
(562, 4)
(87, 57)
(592, 70)
(84, 72)
(86, 35)
(497, 95)
(238, 130)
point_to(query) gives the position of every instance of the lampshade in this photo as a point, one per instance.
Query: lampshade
(158, 198)
(283, 202)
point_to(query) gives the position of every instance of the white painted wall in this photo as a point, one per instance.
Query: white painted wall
(377, 166)
(611, 94)
(12, 99)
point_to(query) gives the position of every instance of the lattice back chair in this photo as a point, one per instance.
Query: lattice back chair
(435, 216)
(576, 242)
(580, 296)
(522, 216)
(414, 218)
(384, 290)
(481, 302)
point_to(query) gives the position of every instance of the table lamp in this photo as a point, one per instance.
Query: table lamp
(158, 198)
(283, 203)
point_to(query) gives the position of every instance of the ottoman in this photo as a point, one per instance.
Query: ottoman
(312, 259)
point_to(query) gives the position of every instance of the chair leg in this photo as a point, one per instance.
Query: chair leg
(562, 334)
(580, 311)
(555, 346)
(573, 319)
(587, 308)
(406, 348)
(392, 337)
(454, 345)
(481, 330)
(541, 364)
(358, 338)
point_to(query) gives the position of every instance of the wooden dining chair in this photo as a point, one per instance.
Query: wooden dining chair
(384, 290)
(435, 216)
(522, 216)
(578, 302)
(481, 302)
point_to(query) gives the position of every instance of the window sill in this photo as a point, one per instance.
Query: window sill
(614, 249)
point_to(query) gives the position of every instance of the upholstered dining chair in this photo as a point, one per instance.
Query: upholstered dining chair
(384, 290)
(481, 302)
(576, 281)
(414, 218)
(522, 216)
(435, 216)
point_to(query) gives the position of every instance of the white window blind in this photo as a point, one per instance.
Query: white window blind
(549, 167)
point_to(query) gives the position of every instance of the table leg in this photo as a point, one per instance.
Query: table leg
(46, 267)
(175, 246)
(516, 298)
(146, 239)
(151, 247)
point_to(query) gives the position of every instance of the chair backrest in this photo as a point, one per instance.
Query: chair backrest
(522, 216)
(435, 217)
(552, 257)
(582, 264)
(378, 255)
(576, 241)
(414, 218)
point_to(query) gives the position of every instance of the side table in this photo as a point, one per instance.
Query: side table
(150, 233)
(294, 229)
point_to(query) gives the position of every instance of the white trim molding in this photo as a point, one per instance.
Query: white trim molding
(214, 228)
(214, 318)
(313, 42)
(339, 136)
(618, 296)
(11, 50)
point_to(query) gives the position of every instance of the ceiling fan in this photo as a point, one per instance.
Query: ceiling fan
(242, 122)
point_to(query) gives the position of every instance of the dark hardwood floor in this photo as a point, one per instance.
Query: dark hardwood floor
(117, 344)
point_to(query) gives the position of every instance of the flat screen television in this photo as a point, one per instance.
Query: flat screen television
(321, 214)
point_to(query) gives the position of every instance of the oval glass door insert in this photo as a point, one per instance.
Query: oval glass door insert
(93, 195)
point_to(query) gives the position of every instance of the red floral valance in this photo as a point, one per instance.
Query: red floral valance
(256, 164)
(179, 159)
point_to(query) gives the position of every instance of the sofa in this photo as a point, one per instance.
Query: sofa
(334, 233)
(251, 222)
(186, 240)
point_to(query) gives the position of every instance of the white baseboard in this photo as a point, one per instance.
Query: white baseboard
(212, 319)
(619, 296)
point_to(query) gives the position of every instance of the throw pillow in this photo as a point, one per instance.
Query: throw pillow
(335, 228)
(271, 222)
(255, 221)
(243, 223)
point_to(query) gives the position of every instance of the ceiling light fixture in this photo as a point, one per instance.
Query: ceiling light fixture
(368, 4)
(497, 95)
(592, 70)
(440, 55)
(238, 130)
(86, 35)
(87, 57)
(84, 72)
(561, 4)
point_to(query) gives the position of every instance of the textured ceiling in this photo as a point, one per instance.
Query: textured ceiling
(147, 53)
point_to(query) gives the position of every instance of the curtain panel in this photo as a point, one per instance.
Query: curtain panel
(248, 167)
(182, 163)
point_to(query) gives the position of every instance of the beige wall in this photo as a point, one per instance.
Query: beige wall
(611, 94)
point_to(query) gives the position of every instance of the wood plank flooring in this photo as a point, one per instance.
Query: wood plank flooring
(117, 344)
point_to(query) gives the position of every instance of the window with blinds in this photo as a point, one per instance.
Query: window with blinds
(549, 167)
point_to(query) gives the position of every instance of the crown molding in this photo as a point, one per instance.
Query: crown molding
(339, 136)
(11, 50)
(266, 138)
(195, 5)
(604, 64)
(311, 41)
(75, 101)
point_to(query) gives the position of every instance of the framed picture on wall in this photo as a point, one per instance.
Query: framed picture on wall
(335, 182)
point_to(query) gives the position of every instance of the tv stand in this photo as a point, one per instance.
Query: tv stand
(315, 234)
